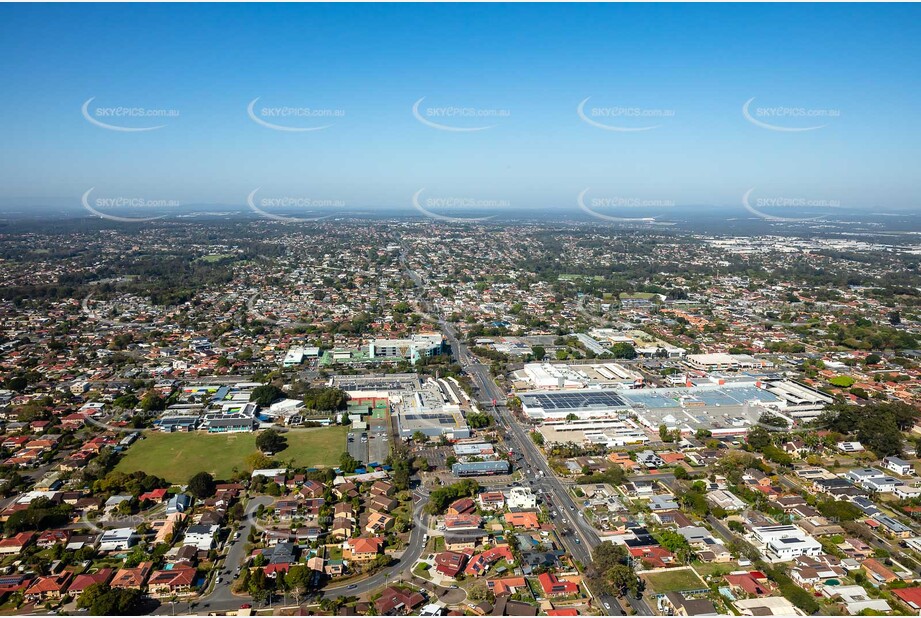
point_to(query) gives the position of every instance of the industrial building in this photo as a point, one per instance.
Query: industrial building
(436, 408)
(481, 468)
(559, 376)
(722, 408)
(725, 362)
(583, 404)
(798, 400)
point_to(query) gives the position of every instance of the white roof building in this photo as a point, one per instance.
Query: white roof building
(117, 539)
(521, 498)
(201, 536)
(785, 542)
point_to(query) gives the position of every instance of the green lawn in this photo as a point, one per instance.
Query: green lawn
(674, 580)
(177, 456)
(216, 257)
(709, 568)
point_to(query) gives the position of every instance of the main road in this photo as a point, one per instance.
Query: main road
(584, 538)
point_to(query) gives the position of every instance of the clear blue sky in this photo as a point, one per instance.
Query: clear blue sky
(536, 61)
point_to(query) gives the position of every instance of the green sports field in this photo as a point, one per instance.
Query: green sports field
(177, 456)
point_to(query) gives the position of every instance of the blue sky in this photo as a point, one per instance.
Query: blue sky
(699, 62)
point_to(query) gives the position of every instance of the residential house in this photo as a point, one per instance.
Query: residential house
(363, 549)
(344, 510)
(84, 580)
(754, 583)
(379, 523)
(395, 600)
(480, 563)
(877, 573)
(133, 577)
(201, 536)
(50, 538)
(450, 563)
(675, 604)
(898, 465)
(117, 539)
(507, 585)
(556, 587)
(491, 500)
(341, 528)
(382, 488)
(910, 597)
(462, 507)
(48, 588)
(526, 520)
(16, 543)
(465, 540)
(383, 504)
(312, 489)
(179, 580)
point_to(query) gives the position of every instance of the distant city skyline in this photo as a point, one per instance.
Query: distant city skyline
(462, 107)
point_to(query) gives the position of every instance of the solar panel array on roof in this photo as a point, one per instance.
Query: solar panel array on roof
(577, 401)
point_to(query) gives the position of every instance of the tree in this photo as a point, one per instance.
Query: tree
(478, 590)
(758, 438)
(420, 437)
(17, 383)
(538, 352)
(664, 434)
(297, 580)
(103, 600)
(326, 399)
(152, 402)
(258, 461)
(623, 350)
(270, 441)
(479, 420)
(202, 485)
(842, 381)
(348, 464)
(259, 586)
(839, 510)
(266, 394)
(126, 401)
(440, 498)
(623, 580)
(606, 555)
